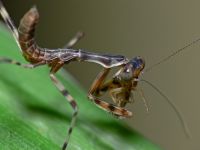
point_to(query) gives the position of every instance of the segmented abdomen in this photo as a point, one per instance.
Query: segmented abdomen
(26, 36)
(27, 28)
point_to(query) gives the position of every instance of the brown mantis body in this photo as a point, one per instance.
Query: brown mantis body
(120, 86)
(55, 59)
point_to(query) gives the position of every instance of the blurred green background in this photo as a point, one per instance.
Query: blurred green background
(151, 29)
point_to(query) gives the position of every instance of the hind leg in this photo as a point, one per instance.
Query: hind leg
(9, 22)
(68, 97)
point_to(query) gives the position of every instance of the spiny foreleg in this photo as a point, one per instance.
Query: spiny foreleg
(96, 86)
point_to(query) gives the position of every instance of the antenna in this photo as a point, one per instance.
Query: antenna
(173, 54)
(183, 123)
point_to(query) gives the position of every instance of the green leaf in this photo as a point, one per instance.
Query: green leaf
(34, 115)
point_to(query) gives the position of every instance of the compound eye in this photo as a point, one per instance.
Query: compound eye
(139, 63)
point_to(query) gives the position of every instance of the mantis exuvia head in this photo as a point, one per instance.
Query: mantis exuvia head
(134, 68)
(131, 70)
(125, 81)
(128, 77)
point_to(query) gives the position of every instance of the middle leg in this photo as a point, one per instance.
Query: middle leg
(74, 40)
(11, 61)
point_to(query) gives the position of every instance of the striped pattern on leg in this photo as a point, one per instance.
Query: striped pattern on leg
(9, 22)
(73, 104)
(116, 111)
(10, 61)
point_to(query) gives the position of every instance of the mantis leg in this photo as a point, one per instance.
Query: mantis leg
(98, 82)
(74, 40)
(68, 97)
(11, 61)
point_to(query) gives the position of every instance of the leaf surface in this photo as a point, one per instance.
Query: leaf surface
(34, 115)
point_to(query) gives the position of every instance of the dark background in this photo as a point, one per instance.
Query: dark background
(151, 29)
